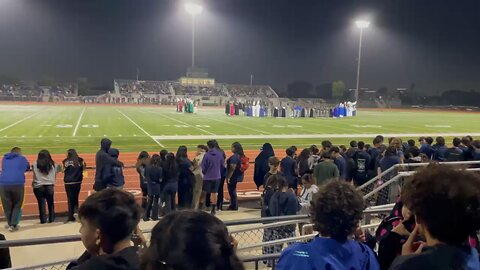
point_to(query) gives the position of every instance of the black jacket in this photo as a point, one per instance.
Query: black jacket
(103, 159)
(126, 259)
(261, 164)
(5, 261)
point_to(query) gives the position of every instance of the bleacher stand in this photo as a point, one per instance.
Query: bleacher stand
(251, 91)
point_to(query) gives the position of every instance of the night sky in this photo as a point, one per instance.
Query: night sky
(432, 43)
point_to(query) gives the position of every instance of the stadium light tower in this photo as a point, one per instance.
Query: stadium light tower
(193, 9)
(362, 24)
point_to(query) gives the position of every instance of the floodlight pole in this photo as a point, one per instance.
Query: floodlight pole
(193, 40)
(358, 63)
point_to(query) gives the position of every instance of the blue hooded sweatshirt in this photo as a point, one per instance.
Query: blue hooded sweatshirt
(14, 167)
(326, 253)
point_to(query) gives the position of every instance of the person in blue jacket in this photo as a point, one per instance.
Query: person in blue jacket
(12, 186)
(336, 211)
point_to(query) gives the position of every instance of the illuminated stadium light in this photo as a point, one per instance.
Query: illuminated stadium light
(362, 23)
(193, 9)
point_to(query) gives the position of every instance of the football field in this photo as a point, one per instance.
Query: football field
(150, 128)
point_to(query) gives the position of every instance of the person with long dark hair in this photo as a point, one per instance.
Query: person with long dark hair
(261, 164)
(235, 173)
(142, 162)
(154, 176)
(73, 167)
(170, 182)
(201, 242)
(44, 173)
(185, 178)
(302, 162)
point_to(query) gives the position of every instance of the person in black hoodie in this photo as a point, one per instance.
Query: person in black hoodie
(103, 159)
(170, 182)
(154, 176)
(261, 164)
(116, 179)
(445, 202)
(185, 178)
(142, 162)
(73, 167)
(108, 220)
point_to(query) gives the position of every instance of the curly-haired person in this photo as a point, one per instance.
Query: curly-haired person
(446, 205)
(336, 211)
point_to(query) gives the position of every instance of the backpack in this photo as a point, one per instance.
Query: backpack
(244, 164)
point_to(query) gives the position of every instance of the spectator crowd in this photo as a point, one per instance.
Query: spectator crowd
(433, 225)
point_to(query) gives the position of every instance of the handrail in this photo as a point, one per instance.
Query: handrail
(276, 242)
(265, 226)
(379, 176)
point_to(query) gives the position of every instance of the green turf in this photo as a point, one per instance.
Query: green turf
(34, 127)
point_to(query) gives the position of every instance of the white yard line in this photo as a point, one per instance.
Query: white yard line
(78, 122)
(226, 122)
(309, 136)
(139, 127)
(184, 123)
(18, 122)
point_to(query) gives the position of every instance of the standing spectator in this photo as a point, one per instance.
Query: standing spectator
(108, 220)
(116, 180)
(154, 175)
(44, 173)
(305, 199)
(73, 167)
(325, 171)
(302, 162)
(389, 160)
(336, 213)
(288, 167)
(12, 186)
(197, 173)
(376, 154)
(362, 163)
(440, 150)
(103, 159)
(273, 164)
(163, 155)
(454, 153)
(185, 178)
(326, 145)
(236, 166)
(191, 240)
(282, 203)
(261, 164)
(212, 166)
(142, 162)
(444, 201)
(467, 149)
(314, 158)
(339, 161)
(170, 182)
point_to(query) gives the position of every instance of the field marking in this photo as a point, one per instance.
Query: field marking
(78, 122)
(310, 136)
(19, 121)
(181, 122)
(233, 124)
(139, 127)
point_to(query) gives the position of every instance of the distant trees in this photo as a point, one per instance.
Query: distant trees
(338, 90)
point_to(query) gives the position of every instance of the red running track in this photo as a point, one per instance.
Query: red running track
(131, 181)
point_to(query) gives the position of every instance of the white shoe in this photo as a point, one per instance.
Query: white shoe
(6, 226)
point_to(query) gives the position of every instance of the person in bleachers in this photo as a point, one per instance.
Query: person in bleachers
(336, 212)
(467, 149)
(12, 186)
(427, 148)
(326, 170)
(288, 167)
(44, 173)
(440, 150)
(454, 153)
(339, 161)
(445, 202)
(283, 202)
(302, 162)
(314, 158)
(362, 162)
(143, 160)
(108, 220)
(414, 156)
(73, 167)
(261, 164)
(376, 154)
(103, 159)
(201, 242)
(154, 175)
